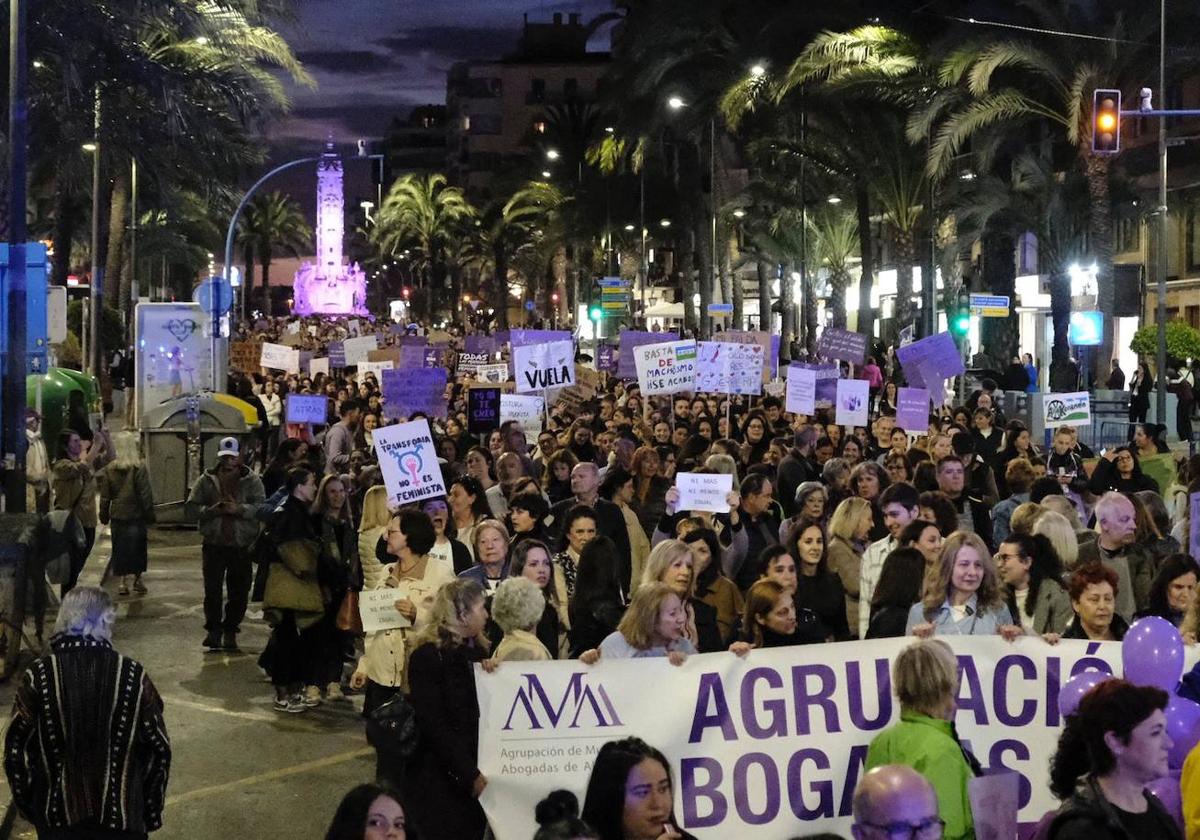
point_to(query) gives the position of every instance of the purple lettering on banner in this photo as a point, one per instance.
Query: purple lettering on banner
(776, 709)
(711, 686)
(1020, 752)
(407, 391)
(973, 700)
(695, 790)
(631, 340)
(605, 360)
(912, 410)
(882, 694)
(842, 344)
(822, 698)
(855, 767)
(824, 788)
(768, 784)
(337, 354)
(1000, 692)
(520, 338)
(938, 351)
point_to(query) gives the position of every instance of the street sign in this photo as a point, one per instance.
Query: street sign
(989, 306)
(611, 283)
(722, 309)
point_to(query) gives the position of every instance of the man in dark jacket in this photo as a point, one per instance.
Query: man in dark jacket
(798, 466)
(585, 489)
(758, 516)
(974, 514)
(87, 752)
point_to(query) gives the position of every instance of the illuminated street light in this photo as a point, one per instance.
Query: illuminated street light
(545, 173)
(833, 199)
(758, 71)
(89, 147)
(675, 103)
(665, 223)
(552, 154)
(739, 213)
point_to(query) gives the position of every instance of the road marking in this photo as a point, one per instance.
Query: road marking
(282, 773)
(218, 710)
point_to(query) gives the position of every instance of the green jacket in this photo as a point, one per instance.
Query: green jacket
(928, 745)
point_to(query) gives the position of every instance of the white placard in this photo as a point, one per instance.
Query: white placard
(539, 367)
(280, 357)
(703, 491)
(853, 402)
(307, 408)
(409, 462)
(526, 410)
(294, 328)
(320, 365)
(801, 390)
(353, 327)
(727, 368)
(377, 609)
(357, 349)
(376, 368)
(492, 374)
(1067, 409)
(666, 368)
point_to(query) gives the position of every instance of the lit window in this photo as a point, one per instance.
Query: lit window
(539, 126)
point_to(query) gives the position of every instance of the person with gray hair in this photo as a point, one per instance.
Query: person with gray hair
(517, 608)
(87, 752)
(894, 800)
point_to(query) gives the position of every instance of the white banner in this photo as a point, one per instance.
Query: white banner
(801, 390)
(853, 402)
(527, 411)
(320, 365)
(770, 746)
(377, 609)
(726, 368)
(376, 368)
(538, 367)
(356, 349)
(1067, 409)
(409, 462)
(666, 368)
(280, 357)
(703, 491)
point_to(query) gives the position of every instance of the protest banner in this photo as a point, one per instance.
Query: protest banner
(938, 352)
(1068, 409)
(468, 363)
(492, 374)
(853, 402)
(703, 491)
(520, 337)
(337, 354)
(434, 357)
(630, 341)
(385, 354)
(279, 357)
(483, 410)
(356, 349)
(407, 391)
(411, 355)
(842, 344)
(377, 609)
(375, 368)
(476, 344)
(244, 356)
(605, 360)
(538, 367)
(306, 357)
(771, 745)
(725, 368)
(575, 396)
(526, 410)
(666, 368)
(409, 462)
(768, 342)
(801, 389)
(307, 408)
(912, 410)
(319, 365)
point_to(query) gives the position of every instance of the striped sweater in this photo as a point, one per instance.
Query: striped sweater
(87, 744)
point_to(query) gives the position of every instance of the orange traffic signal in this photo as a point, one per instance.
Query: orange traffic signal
(1106, 122)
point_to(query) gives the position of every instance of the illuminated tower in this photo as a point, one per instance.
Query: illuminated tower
(329, 287)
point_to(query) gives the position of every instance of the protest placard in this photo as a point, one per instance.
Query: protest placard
(477, 344)
(244, 356)
(703, 491)
(767, 341)
(725, 368)
(407, 391)
(938, 352)
(801, 389)
(376, 368)
(526, 410)
(305, 360)
(377, 609)
(520, 337)
(291, 339)
(842, 344)
(605, 359)
(537, 367)
(307, 408)
(411, 355)
(409, 462)
(353, 327)
(319, 365)
(385, 354)
(630, 341)
(483, 410)
(337, 354)
(433, 357)
(468, 363)
(912, 410)
(1068, 409)
(853, 402)
(356, 349)
(587, 377)
(667, 368)
(492, 374)
(279, 357)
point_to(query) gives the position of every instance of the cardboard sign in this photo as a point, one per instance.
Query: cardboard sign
(321, 365)
(726, 368)
(853, 402)
(469, 363)
(494, 374)
(801, 390)
(912, 409)
(574, 397)
(356, 349)
(526, 410)
(767, 341)
(937, 352)
(605, 360)
(385, 354)
(1068, 409)
(703, 491)
(667, 368)
(539, 367)
(244, 356)
(376, 368)
(279, 357)
(377, 609)
(842, 344)
(630, 341)
(307, 408)
(407, 391)
(337, 354)
(409, 462)
(483, 410)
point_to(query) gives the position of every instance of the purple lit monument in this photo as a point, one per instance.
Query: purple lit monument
(329, 287)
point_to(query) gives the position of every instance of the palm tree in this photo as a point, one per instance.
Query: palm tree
(422, 212)
(272, 224)
(834, 235)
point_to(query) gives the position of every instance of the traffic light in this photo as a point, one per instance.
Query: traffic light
(595, 310)
(1106, 122)
(960, 317)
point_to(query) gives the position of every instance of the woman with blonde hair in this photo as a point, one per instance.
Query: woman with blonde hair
(962, 594)
(671, 562)
(1055, 528)
(1025, 516)
(723, 464)
(654, 625)
(371, 528)
(849, 527)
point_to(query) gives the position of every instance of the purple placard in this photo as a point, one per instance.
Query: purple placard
(827, 379)
(433, 357)
(520, 338)
(411, 356)
(912, 410)
(337, 354)
(409, 390)
(774, 356)
(604, 358)
(631, 340)
(936, 354)
(479, 344)
(413, 341)
(842, 344)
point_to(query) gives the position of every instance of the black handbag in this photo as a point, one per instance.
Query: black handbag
(392, 726)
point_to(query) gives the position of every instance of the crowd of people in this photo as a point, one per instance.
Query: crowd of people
(574, 545)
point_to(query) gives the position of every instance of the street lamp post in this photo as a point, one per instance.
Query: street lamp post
(1160, 404)
(96, 292)
(14, 286)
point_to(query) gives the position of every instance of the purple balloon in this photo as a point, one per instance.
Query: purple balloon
(1183, 726)
(1166, 790)
(1074, 689)
(1152, 653)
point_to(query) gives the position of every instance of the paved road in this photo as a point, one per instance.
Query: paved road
(239, 769)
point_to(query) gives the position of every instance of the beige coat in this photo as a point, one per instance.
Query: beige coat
(386, 651)
(846, 563)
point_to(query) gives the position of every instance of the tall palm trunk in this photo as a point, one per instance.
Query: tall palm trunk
(704, 261)
(902, 313)
(66, 221)
(1100, 242)
(687, 278)
(117, 207)
(1061, 375)
(839, 279)
(265, 259)
(866, 277)
(787, 306)
(500, 280)
(762, 270)
(1000, 335)
(734, 294)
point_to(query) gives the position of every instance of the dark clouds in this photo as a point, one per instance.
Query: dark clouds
(351, 62)
(453, 43)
